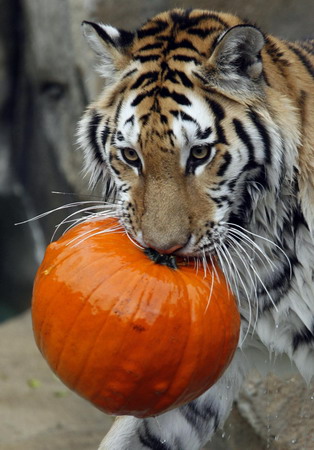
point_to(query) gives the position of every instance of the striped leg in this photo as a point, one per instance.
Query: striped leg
(185, 428)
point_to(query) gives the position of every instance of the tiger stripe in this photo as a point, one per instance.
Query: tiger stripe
(245, 138)
(147, 58)
(152, 31)
(192, 413)
(303, 337)
(105, 133)
(219, 113)
(181, 99)
(92, 135)
(263, 133)
(227, 159)
(148, 77)
(149, 440)
(305, 60)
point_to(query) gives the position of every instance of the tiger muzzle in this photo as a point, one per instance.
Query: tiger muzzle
(165, 222)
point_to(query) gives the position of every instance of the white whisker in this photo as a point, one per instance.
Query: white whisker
(239, 233)
(221, 263)
(211, 290)
(102, 214)
(264, 239)
(253, 245)
(78, 195)
(234, 244)
(214, 267)
(67, 206)
(244, 288)
(81, 235)
(264, 287)
(229, 273)
(196, 264)
(132, 240)
(205, 265)
(117, 229)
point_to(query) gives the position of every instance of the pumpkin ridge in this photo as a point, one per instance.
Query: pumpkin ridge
(85, 366)
(153, 406)
(200, 345)
(183, 393)
(223, 367)
(152, 269)
(127, 402)
(53, 296)
(185, 279)
(67, 336)
(219, 367)
(183, 354)
(86, 303)
(227, 328)
(200, 348)
(108, 375)
(70, 251)
(94, 262)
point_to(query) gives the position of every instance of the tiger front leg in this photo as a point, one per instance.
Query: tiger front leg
(186, 428)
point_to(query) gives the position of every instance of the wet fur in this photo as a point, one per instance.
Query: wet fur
(195, 78)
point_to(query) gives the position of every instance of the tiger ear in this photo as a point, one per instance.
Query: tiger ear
(111, 45)
(236, 62)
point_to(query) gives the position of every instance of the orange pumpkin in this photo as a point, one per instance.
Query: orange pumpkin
(132, 336)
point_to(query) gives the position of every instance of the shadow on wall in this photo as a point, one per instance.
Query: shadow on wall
(45, 83)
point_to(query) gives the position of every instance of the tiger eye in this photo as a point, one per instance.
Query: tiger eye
(200, 152)
(130, 156)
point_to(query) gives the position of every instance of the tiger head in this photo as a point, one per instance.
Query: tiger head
(183, 136)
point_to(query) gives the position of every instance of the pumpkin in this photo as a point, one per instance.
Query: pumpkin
(131, 335)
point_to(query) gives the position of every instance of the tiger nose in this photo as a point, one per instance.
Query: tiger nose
(167, 251)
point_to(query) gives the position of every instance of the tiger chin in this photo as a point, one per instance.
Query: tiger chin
(203, 141)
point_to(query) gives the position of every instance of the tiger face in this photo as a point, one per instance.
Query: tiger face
(182, 135)
(203, 142)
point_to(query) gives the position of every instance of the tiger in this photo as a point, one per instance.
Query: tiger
(202, 141)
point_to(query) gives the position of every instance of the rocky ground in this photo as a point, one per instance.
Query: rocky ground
(39, 413)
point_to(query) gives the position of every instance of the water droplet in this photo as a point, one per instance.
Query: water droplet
(312, 397)
(163, 441)
(293, 441)
(223, 434)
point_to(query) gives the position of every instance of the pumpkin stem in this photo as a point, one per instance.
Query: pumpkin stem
(158, 258)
